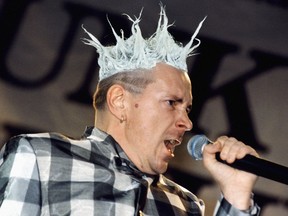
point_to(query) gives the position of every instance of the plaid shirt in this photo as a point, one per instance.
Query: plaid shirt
(50, 174)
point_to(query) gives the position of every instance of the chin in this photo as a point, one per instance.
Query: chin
(161, 170)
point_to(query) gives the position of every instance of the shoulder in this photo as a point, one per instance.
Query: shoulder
(18, 159)
(28, 139)
(18, 147)
(30, 143)
(19, 176)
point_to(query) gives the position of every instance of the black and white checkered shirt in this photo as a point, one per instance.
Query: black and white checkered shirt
(51, 174)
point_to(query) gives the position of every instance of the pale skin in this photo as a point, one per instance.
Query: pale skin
(149, 126)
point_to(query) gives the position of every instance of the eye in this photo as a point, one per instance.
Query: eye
(178, 104)
(171, 103)
(188, 109)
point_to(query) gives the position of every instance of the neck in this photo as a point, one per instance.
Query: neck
(107, 123)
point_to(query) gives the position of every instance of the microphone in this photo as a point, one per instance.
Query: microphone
(249, 163)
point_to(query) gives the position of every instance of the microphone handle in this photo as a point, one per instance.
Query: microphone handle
(260, 167)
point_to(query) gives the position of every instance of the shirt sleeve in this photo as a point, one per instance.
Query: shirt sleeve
(19, 179)
(225, 208)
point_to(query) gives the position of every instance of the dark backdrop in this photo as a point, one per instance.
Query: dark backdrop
(47, 76)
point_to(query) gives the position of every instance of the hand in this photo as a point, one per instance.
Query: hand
(236, 185)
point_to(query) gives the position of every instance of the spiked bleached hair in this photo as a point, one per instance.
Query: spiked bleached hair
(136, 52)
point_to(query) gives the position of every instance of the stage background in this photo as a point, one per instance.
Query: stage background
(47, 75)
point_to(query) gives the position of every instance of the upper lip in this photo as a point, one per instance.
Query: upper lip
(175, 141)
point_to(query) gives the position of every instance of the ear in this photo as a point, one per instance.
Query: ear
(116, 101)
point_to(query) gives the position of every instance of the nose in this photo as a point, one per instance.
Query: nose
(184, 121)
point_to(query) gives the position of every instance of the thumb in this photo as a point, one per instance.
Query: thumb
(210, 150)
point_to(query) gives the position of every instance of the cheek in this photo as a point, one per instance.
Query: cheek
(143, 120)
(148, 115)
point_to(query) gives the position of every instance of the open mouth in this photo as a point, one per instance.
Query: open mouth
(171, 144)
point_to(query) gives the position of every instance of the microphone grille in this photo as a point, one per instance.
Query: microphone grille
(195, 146)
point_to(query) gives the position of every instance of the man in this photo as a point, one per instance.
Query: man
(141, 105)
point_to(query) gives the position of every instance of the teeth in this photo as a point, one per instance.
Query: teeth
(170, 145)
(174, 142)
(171, 152)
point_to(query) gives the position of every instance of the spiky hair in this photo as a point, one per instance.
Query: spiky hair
(136, 52)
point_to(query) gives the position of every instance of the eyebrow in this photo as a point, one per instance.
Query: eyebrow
(180, 100)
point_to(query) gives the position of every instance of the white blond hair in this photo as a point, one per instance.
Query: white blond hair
(136, 52)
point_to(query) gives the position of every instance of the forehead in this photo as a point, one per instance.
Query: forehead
(171, 80)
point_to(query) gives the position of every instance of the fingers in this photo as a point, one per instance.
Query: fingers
(232, 149)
